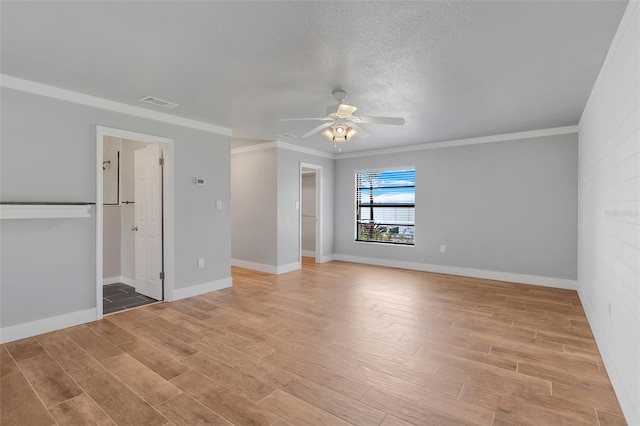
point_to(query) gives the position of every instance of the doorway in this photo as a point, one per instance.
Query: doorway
(133, 214)
(310, 212)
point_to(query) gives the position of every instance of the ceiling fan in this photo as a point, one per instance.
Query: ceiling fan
(340, 123)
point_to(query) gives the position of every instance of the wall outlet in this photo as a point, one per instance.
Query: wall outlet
(218, 205)
(443, 249)
(200, 262)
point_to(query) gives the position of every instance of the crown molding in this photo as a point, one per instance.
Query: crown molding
(96, 102)
(282, 145)
(310, 151)
(255, 147)
(409, 148)
(462, 142)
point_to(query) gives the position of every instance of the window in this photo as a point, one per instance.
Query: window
(385, 206)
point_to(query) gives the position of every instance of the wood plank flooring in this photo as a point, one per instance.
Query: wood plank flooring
(332, 344)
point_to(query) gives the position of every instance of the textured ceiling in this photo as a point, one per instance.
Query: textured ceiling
(451, 69)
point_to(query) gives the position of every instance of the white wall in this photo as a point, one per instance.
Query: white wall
(48, 154)
(127, 216)
(504, 210)
(111, 211)
(118, 238)
(609, 221)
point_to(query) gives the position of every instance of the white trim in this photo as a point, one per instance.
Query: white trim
(310, 151)
(327, 258)
(167, 148)
(43, 211)
(283, 269)
(262, 267)
(626, 400)
(462, 142)
(465, 272)
(385, 169)
(96, 102)
(111, 280)
(319, 173)
(45, 325)
(128, 281)
(195, 290)
(269, 269)
(282, 145)
(256, 147)
(308, 253)
(120, 279)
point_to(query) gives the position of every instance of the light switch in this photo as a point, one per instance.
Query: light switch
(297, 205)
(218, 205)
(200, 262)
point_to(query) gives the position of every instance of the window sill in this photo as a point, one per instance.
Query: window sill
(384, 244)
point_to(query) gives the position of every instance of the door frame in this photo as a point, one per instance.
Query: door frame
(319, 221)
(166, 145)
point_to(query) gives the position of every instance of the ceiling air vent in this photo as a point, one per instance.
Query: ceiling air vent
(158, 102)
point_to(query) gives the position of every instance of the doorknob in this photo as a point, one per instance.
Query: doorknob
(134, 228)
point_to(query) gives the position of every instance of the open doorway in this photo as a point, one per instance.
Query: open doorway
(131, 220)
(310, 212)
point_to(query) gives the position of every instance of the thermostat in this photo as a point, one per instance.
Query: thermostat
(199, 181)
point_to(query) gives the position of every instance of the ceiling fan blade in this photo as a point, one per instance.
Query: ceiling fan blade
(345, 110)
(316, 130)
(361, 132)
(307, 119)
(378, 120)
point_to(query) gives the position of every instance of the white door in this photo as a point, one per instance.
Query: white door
(148, 221)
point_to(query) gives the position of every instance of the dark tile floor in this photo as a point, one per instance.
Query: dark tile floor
(118, 297)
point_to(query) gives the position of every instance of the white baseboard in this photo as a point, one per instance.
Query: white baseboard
(466, 272)
(283, 269)
(262, 267)
(45, 325)
(195, 290)
(309, 253)
(123, 280)
(328, 258)
(629, 406)
(269, 269)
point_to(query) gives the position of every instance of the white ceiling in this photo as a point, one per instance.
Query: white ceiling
(451, 69)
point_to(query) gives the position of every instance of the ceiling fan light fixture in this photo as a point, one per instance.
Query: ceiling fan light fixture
(351, 133)
(328, 133)
(339, 133)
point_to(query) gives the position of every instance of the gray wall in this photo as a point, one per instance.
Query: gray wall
(48, 154)
(254, 206)
(289, 193)
(505, 206)
(609, 213)
(111, 241)
(265, 186)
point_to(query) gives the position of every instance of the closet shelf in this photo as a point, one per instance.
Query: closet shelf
(44, 210)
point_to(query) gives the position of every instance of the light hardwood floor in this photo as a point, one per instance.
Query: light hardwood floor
(332, 344)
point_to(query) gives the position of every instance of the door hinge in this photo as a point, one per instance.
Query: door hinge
(161, 159)
(162, 275)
